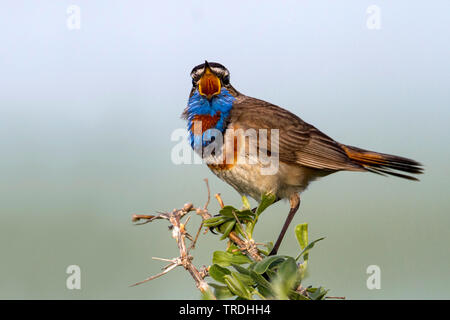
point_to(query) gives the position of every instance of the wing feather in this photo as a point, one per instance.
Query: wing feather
(299, 142)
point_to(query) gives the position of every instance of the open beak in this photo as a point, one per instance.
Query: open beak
(209, 83)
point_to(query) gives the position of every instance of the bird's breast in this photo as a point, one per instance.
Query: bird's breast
(204, 122)
(244, 170)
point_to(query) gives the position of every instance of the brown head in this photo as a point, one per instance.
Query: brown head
(209, 78)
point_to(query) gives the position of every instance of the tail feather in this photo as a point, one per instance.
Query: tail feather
(382, 163)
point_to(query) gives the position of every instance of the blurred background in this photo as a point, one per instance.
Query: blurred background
(86, 116)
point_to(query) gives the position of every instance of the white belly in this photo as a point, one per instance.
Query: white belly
(248, 180)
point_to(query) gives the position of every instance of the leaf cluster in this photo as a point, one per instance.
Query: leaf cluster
(273, 277)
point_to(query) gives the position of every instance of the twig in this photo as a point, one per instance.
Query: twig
(162, 259)
(240, 225)
(138, 217)
(192, 246)
(219, 199)
(209, 194)
(246, 246)
(173, 266)
(179, 233)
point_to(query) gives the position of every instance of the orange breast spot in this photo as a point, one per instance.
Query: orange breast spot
(207, 122)
(227, 163)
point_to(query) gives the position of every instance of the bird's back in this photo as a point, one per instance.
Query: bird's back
(303, 152)
(299, 142)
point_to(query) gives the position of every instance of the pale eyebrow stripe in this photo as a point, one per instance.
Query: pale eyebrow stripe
(197, 73)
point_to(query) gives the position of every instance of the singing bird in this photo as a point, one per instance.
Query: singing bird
(303, 152)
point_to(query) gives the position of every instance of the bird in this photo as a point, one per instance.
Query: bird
(216, 111)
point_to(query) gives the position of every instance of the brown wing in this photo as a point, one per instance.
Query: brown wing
(299, 142)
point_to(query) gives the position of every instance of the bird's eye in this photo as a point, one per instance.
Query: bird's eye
(226, 80)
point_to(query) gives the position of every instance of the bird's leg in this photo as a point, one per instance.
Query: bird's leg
(294, 201)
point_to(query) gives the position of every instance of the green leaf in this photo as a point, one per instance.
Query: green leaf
(269, 247)
(245, 279)
(237, 287)
(266, 293)
(245, 214)
(308, 247)
(317, 293)
(262, 266)
(227, 211)
(208, 295)
(226, 228)
(214, 221)
(286, 279)
(287, 269)
(226, 259)
(240, 229)
(241, 269)
(221, 292)
(246, 202)
(260, 280)
(264, 287)
(301, 232)
(294, 295)
(218, 273)
(266, 201)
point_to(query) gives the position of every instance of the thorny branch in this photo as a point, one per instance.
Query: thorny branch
(179, 233)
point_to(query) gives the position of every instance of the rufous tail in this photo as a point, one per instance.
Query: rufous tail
(383, 164)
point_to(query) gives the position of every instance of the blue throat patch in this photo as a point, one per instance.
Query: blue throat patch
(198, 107)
